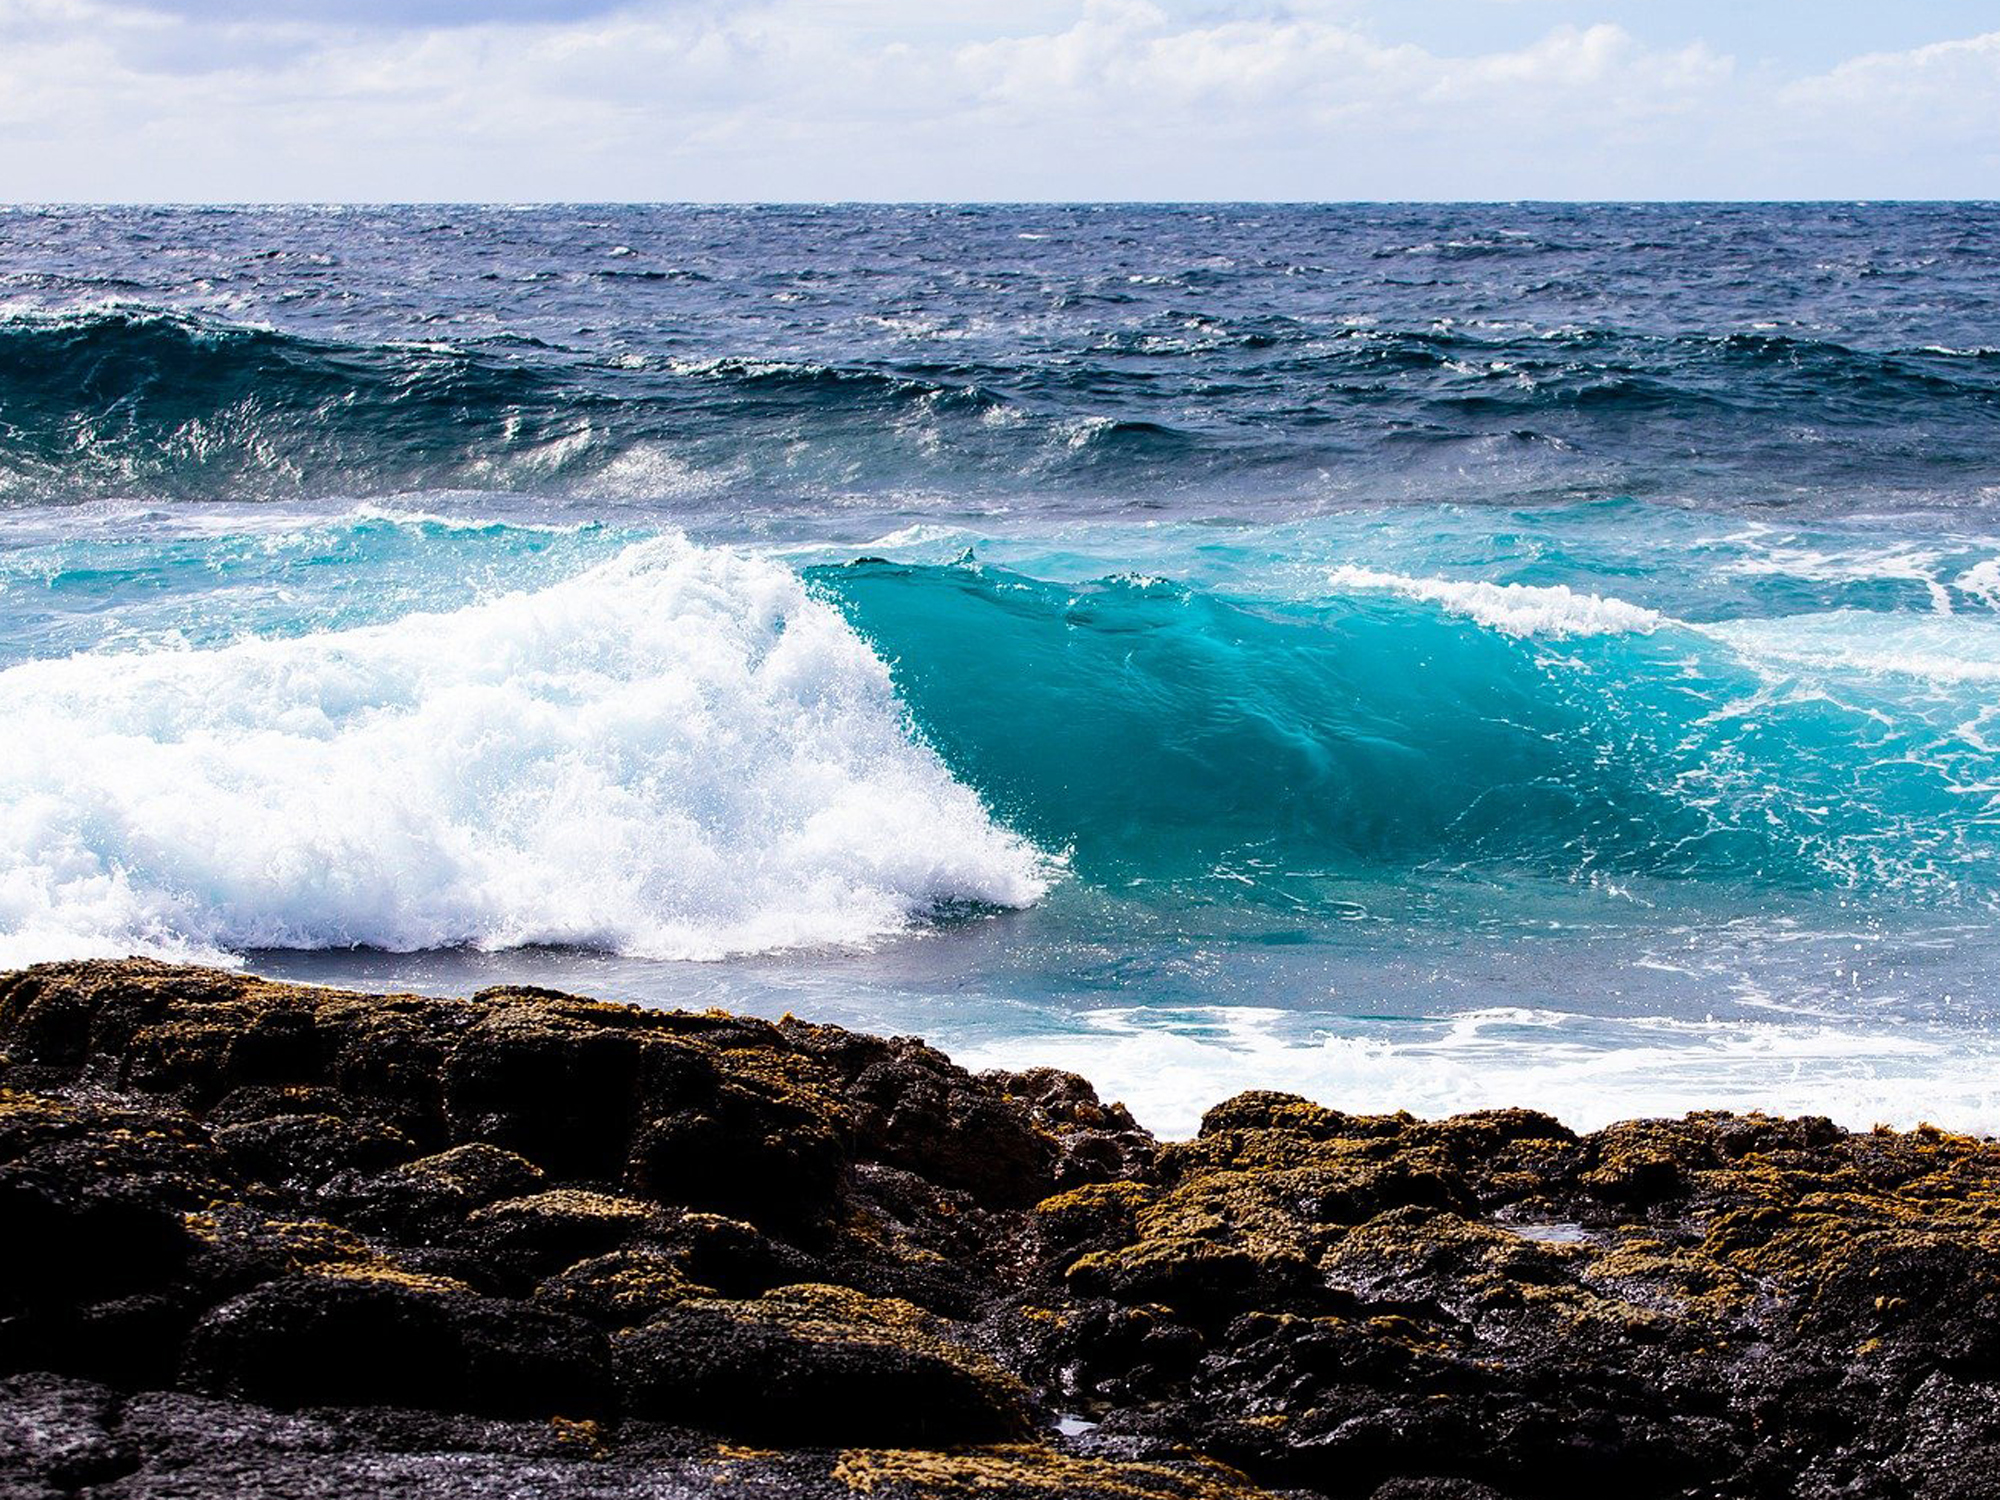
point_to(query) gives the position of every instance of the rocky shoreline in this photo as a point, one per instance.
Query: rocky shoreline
(269, 1239)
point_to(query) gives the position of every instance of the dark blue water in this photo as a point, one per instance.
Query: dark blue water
(1418, 656)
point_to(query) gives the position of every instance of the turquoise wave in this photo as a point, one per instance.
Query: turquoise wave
(1159, 732)
(1789, 713)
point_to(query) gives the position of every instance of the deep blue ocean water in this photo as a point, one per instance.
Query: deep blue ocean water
(1419, 657)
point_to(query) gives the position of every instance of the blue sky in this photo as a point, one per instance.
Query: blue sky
(525, 100)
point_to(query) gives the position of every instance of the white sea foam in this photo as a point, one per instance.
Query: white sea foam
(1511, 608)
(1981, 581)
(1901, 562)
(419, 516)
(1170, 1066)
(1942, 650)
(651, 471)
(680, 753)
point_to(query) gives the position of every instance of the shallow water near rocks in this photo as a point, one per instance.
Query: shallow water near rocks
(1552, 1234)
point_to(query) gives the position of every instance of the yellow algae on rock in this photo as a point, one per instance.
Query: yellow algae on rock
(1021, 1470)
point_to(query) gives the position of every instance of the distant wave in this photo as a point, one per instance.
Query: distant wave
(1171, 1064)
(124, 400)
(120, 401)
(133, 401)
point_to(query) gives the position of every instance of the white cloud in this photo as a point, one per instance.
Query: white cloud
(897, 98)
(1948, 87)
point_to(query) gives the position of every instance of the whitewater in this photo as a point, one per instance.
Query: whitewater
(676, 754)
(1205, 648)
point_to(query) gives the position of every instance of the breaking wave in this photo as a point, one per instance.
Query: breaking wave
(676, 754)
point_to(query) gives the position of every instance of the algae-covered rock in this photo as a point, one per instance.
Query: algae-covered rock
(814, 1365)
(521, 1240)
(312, 1148)
(1021, 1470)
(426, 1199)
(262, 1238)
(1635, 1310)
(623, 1289)
(62, 1437)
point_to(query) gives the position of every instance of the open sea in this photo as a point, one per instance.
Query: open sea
(1417, 657)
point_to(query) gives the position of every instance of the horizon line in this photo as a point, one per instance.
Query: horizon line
(7, 204)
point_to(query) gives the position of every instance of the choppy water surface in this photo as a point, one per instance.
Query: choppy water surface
(1419, 657)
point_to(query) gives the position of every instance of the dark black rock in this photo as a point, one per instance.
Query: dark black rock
(362, 1341)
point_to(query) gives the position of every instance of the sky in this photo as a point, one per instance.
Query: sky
(814, 100)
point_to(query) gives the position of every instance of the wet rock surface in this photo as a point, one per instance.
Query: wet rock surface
(263, 1238)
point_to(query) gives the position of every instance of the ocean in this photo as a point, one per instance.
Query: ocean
(1419, 657)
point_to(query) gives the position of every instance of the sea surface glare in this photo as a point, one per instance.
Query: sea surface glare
(1418, 657)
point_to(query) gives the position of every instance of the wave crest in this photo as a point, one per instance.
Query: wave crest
(1511, 608)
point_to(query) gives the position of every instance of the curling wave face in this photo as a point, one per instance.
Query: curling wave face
(1397, 724)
